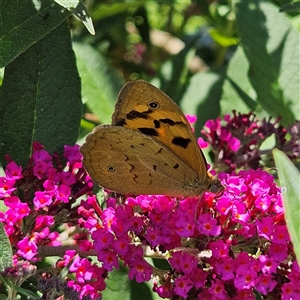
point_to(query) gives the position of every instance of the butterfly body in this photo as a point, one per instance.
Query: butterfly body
(149, 148)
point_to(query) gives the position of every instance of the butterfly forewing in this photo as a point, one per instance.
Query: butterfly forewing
(145, 108)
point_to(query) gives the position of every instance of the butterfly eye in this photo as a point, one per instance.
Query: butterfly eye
(153, 105)
(213, 189)
(111, 168)
(216, 187)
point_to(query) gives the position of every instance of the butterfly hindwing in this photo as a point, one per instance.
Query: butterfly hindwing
(123, 160)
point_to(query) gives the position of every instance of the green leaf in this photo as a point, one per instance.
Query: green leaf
(40, 97)
(174, 73)
(294, 6)
(100, 82)
(270, 43)
(221, 39)
(5, 250)
(289, 178)
(238, 93)
(119, 287)
(12, 288)
(144, 288)
(78, 8)
(25, 22)
(202, 97)
(27, 293)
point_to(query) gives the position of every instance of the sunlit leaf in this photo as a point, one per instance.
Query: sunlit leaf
(289, 178)
(78, 8)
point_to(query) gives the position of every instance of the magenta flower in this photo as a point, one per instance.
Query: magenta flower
(225, 267)
(84, 271)
(62, 193)
(153, 236)
(290, 290)
(219, 249)
(183, 262)
(164, 291)
(218, 291)
(6, 186)
(72, 154)
(245, 294)
(182, 285)
(43, 221)
(278, 251)
(42, 199)
(280, 235)
(120, 245)
(245, 278)
(202, 144)
(108, 258)
(140, 270)
(13, 171)
(265, 227)
(103, 239)
(265, 283)
(208, 225)
(40, 169)
(27, 248)
(198, 277)
(268, 265)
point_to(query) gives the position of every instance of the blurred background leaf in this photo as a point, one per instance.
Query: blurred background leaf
(99, 89)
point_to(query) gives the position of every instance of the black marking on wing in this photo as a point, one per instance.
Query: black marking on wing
(136, 114)
(148, 131)
(171, 122)
(120, 122)
(182, 142)
(156, 124)
(176, 166)
(154, 167)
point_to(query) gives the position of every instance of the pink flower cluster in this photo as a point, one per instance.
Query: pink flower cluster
(236, 141)
(38, 200)
(234, 246)
(237, 246)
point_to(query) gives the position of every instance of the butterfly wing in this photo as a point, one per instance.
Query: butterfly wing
(128, 162)
(143, 107)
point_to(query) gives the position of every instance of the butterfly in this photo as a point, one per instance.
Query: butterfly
(149, 149)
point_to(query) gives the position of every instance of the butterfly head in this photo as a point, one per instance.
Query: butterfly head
(215, 186)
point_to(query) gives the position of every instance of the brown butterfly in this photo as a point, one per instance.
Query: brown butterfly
(149, 149)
